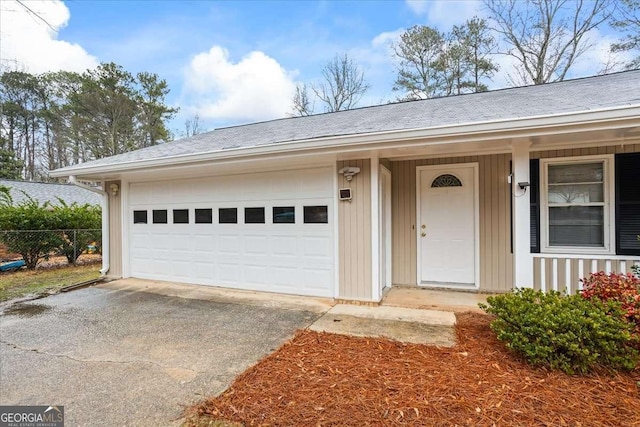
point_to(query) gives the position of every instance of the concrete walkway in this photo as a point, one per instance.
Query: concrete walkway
(434, 299)
(404, 316)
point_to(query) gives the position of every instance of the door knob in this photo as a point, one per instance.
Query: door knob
(424, 234)
(424, 226)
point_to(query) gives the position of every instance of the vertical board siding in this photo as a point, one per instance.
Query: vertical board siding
(496, 260)
(609, 149)
(354, 238)
(115, 230)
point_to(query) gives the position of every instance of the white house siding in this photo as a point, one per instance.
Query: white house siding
(115, 230)
(354, 225)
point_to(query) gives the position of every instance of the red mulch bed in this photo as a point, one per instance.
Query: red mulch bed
(324, 379)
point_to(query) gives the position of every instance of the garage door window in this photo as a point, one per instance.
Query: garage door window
(254, 215)
(284, 215)
(159, 216)
(181, 216)
(139, 217)
(204, 216)
(316, 215)
(228, 216)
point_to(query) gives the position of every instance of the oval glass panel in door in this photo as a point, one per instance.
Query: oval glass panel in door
(446, 180)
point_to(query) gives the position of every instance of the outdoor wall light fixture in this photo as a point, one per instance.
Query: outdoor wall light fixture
(114, 188)
(349, 172)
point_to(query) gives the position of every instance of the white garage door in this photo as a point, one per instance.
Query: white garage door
(270, 231)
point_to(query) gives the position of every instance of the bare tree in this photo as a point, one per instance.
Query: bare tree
(192, 126)
(628, 21)
(545, 37)
(302, 105)
(343, 84)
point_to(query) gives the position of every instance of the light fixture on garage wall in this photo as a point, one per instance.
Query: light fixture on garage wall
(349, 172)
(113, 189)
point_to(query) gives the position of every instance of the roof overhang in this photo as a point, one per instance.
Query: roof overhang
(623, 121)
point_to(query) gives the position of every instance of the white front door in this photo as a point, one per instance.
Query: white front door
(447, 224)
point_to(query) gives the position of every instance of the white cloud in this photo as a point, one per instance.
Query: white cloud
(384, 40)
(594, 59)
(255, 88)
(444, 14)
(28, 43)
(419, 7)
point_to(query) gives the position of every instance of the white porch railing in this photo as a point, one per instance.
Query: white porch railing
(560, 272)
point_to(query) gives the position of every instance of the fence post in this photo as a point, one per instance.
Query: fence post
(75, 246)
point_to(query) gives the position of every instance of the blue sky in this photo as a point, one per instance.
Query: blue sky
(232, 62)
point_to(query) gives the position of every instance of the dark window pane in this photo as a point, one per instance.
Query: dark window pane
(316, 215)
(181, 216)
(204, 216)
(576, 226)
(159, 216)
(284, 215)
(139, 217)
(254, 215)
(228, 216)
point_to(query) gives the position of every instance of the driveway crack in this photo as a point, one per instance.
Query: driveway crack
(79, 360)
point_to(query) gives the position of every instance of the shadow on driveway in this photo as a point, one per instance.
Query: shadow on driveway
(115, 357)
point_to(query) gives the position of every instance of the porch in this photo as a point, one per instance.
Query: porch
(512, 239)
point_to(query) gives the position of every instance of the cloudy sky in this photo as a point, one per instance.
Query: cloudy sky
(231, 62)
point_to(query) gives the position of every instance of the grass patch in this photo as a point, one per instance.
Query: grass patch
(37, 282)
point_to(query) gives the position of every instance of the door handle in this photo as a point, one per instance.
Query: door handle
(424, 234)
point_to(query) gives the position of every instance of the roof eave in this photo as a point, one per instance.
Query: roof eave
(374, 140)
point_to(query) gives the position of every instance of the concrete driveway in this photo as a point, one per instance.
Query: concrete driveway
(113, 356)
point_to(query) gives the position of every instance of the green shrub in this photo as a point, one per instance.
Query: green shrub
(563, 332)
(36, 230)
(622, 288)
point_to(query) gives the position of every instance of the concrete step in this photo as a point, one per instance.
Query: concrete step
(397, 323)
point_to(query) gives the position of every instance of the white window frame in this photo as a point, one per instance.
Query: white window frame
(609, 205)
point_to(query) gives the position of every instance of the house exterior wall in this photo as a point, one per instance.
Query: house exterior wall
(115, 230)
(563, 272)
(496, 259)
(590, 151)
(354, 234)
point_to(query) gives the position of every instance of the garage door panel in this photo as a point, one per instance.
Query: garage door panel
(229, 244)
(283, 275)
(255, 244)
(229, 273)
(285, 246)
(295, 258)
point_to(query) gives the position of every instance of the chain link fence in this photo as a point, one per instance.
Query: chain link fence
(44, 248)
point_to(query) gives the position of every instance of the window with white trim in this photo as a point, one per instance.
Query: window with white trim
(576, 204)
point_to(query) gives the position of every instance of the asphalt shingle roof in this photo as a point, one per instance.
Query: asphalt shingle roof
(570, 96)
(47, 192)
